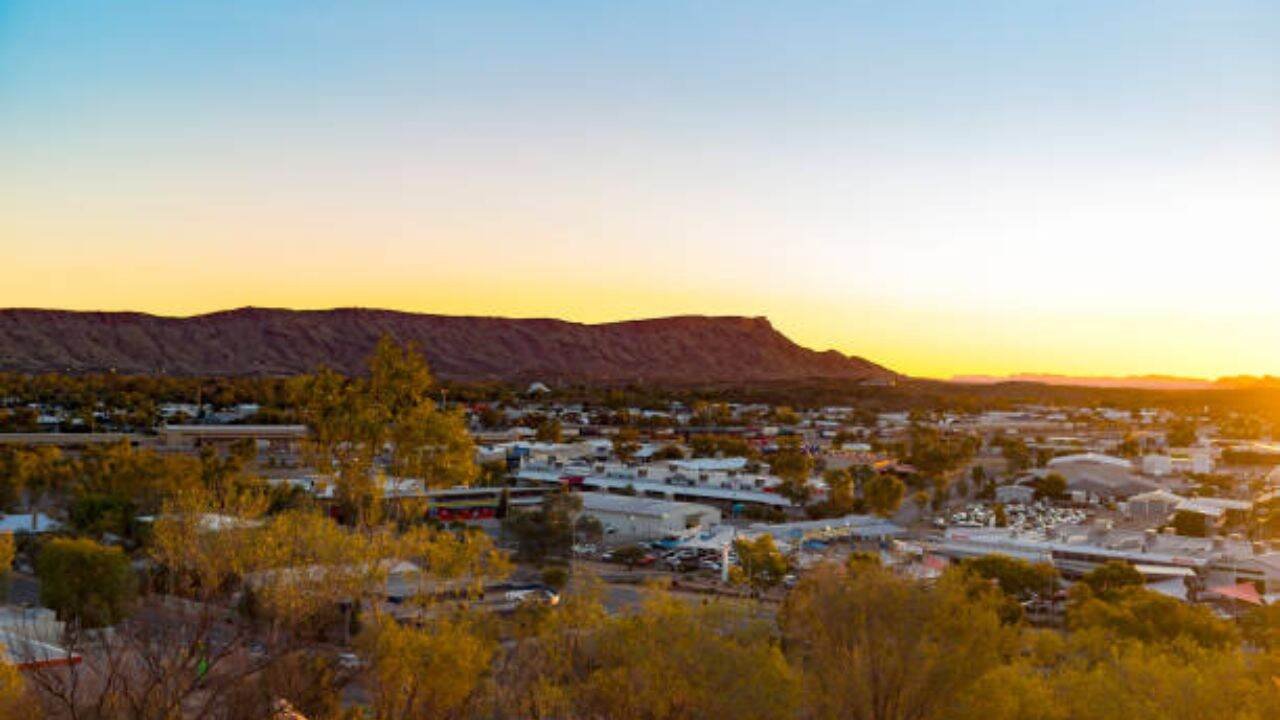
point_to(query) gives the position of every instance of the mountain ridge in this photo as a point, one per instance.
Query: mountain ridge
(274, 341)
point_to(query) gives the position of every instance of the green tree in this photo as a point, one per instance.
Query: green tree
(671, 661)
(921, 500)
(1017, 455)
(1052, 486)
(546, 532)
(999, 516)
(874, 646)
(549, 431)
(793, 466)
(626, 444)
(1150, 618)
(493, 474)
(1190, 524)
(555, 577)
(15, 701)
(85, 582)
(760, 564)
(430, 672)
(1017, 578)
(1107, 580)
(36, 472)
(1261, 627)
(883, 493)
(360, 427)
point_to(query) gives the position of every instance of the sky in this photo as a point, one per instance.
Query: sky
(1077, 187)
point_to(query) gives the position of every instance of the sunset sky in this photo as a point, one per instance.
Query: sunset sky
(943, 187)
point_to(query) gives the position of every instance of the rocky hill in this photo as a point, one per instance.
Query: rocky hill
(254, 341)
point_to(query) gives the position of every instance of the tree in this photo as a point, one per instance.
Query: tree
(7, 552)
(1017, 455)
(784, 415)
(671, 661)
(626, 444)
(793, 466)
(588, 529)
(115, 483)
(546, 532)
(669, 452)
(978, 475)
(999, 516)
(841, 499)
(883, 494)
(360, 427)
(1052, 486)
(840, 491)
(1151, 618)
(921, 500)
(430, 672)
(760, 563)
(555, 577)
(36, 472)
(493, 474)
(15, 703)
(722, 445)
(1107, 580)
(933, 452)
(1182, 433)
(85, 582)
(1019, 580)
(629, 555)
(1261, 627)
(289, 576)
(1190, 524)
(504, 504)
(549, 431)
(874, 646)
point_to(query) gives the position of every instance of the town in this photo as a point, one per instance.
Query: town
(244, 530)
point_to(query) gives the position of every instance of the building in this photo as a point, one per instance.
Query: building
(1154, 506)
(627, 518)
(1197, 461)
(36, 524)
(659, 481)
(29, 639)
(187, 437)
(1024, 494)
(1075, 550)
(1100, 477)
(1157, 465)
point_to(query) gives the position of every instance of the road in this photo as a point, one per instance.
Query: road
(24, 589)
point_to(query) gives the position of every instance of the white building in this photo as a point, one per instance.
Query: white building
(1157, 465)
(1155, 506)
(1075, 550)
(664, 481)
(628, 518)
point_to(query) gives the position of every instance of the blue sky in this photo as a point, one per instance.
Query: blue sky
(931, 184)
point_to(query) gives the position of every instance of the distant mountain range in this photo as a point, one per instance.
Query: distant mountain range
(1142, 382)
(254, 341)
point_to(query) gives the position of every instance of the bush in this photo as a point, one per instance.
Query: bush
(85, 582)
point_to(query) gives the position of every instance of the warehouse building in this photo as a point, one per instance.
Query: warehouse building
(627, 518)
